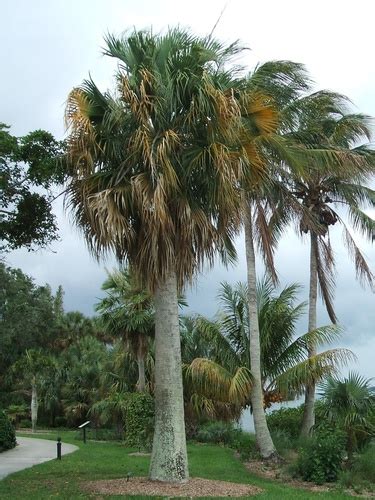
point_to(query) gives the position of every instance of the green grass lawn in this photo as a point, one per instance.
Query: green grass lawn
(97, 460)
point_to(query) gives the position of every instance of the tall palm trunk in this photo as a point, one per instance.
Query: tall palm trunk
(169, 457)
(263, 436)
(34, 405)
(309, 413)
(141, 383)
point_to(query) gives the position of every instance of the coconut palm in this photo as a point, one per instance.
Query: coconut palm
(127, 311)
(350, 404)
(283, 82)
(154, 177)
(285, 367)
(322, 121)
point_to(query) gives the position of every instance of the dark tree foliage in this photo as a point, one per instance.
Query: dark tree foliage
(29, 166)
(26, 316)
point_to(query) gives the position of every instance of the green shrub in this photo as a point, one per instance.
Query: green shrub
(7, 433)
(320, 460)
(245, 444)
(16, 413)
(218, 432)
(362, 473)
(61, 421)
(283, 442)
(286, 420)
(25, 423)
(139, 421)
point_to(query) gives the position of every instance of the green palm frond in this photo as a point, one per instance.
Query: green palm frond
(312, 370)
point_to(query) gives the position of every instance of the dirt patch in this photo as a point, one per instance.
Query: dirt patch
(195, 487)
(139, 454)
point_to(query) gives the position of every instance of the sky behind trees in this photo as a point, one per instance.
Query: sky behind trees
(49, 47)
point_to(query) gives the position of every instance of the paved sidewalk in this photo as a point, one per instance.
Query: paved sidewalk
(30, 452)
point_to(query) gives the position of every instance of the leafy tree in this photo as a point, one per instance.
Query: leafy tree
(26, 316)
(28, 167)
(154, 169)
(349, 404)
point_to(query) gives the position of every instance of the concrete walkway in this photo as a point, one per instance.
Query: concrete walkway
(30, 452)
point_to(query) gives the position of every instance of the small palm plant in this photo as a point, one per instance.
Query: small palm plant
(350, 404)
(127, 312)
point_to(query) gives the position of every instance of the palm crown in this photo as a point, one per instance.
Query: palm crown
(155, 164)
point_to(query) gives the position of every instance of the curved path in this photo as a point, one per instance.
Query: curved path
(30, 452)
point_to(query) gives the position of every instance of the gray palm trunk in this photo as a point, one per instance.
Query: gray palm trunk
(34, 405)
(169, 458)
(263, 436)
(141, 383)
(309, 414)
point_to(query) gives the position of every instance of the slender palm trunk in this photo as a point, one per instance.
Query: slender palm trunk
(141, 383)
(169, 458)
(34, 406)
(263, 436)
(309, 413)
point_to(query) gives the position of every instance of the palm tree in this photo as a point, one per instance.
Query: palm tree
(285, 367)
(30, 370)
(283, 82)
(127, 311)
(349, 403)
(71, 327)
(154, 171)
(111, 410)
(82, 366)
(321, 121)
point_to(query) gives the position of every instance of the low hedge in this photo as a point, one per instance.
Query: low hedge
(7, 433)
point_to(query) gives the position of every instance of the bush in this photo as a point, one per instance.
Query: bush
(218, 432)
(61, 421)
(7, 433)
(25, 423)
(139, 421)
(245, 444)
(320, 460)
(362, 474)
(286, 420)
(283, 442)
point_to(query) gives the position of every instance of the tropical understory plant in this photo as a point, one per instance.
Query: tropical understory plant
(226, 376)
(349, 404)
(127, 313)
(154, 177)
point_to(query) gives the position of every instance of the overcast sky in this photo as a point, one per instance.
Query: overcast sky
(47, 47)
